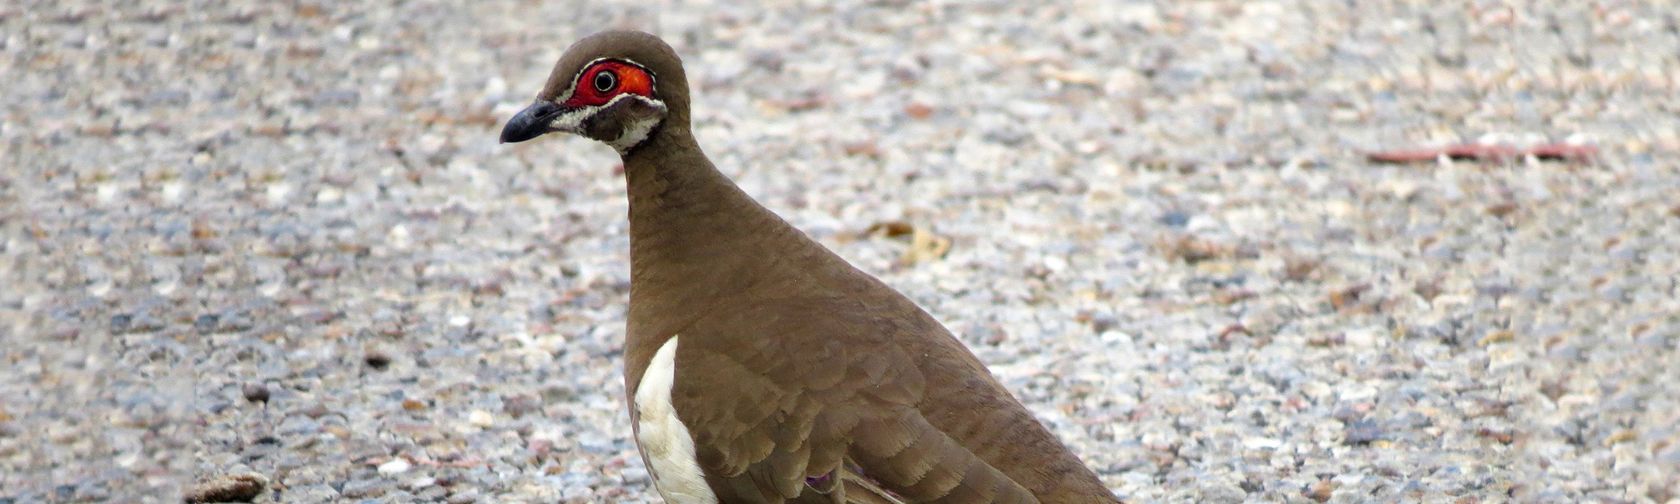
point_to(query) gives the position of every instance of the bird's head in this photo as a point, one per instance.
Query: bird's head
(618, 87)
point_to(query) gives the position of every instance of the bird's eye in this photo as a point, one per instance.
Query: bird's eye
(605, 81)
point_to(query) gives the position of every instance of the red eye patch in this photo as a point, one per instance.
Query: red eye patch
(604, 80)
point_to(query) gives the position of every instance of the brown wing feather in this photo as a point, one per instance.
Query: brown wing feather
(922, 464)
(797, 385)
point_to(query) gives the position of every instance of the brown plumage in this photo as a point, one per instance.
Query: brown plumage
(798, 377)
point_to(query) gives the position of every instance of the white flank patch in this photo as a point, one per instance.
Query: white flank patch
(665, 441)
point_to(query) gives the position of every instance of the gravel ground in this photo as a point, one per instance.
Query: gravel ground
(277, 241)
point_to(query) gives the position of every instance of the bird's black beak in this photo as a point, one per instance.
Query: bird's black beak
(531, 123)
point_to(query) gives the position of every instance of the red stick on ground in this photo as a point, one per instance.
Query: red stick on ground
(1565, 152)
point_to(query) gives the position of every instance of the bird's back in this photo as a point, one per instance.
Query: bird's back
(833, 365)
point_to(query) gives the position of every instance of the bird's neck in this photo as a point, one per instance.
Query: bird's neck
(695, 237)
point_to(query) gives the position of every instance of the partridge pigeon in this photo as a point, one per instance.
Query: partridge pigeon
(760, 366)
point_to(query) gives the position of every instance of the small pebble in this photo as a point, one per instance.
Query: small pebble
(363, 489)
(376, 360)
(1362, 432)
(256, 392)
(232, 488)
(395, 466)
(481, 418)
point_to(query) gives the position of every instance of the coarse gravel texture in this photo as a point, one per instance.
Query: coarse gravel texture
(277, 244)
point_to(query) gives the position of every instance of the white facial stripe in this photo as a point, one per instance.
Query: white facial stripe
(572, 122)
(634, 133)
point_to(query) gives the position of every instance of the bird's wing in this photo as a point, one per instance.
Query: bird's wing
(808, 405)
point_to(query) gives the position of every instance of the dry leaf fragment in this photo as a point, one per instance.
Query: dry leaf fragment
(926, 246)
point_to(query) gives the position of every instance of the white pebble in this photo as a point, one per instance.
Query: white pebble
(480, 418)
(395, 466)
